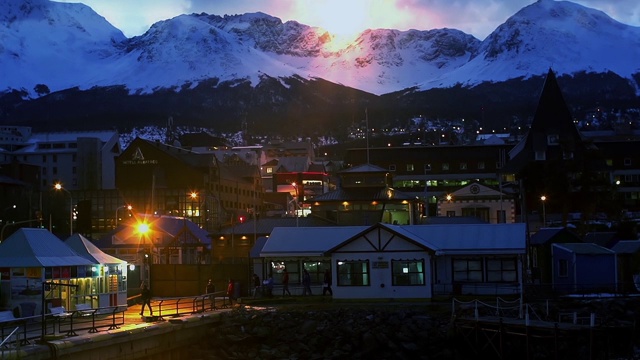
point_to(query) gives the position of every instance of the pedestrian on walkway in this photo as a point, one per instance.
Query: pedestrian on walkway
(209, 290)
(230, 290)
(306, 283)
(326, 283)
(145, 295)
(285, 283)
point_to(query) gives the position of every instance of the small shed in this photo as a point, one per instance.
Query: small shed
(33, 261)
(628, 253)
(112, 289)
(540, 251)
(583, 267)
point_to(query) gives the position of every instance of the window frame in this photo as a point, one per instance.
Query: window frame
(411, 276)
(364, 276)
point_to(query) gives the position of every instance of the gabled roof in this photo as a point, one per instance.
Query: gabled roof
(126, 234)
(549, 235)
(441, 239)
(627, 247)
(585, 248)
(309, 241)
(364, 168)
(464, 239)
(602, 238)
(38, 248)
(552, 117)
(86, 249)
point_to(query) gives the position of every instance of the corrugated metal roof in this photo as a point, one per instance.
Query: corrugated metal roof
(309, 241)
(467, 238)
(585, 248)
(86, 249)
(459, 239)
(38, 248)
(627, 247)
(543, 235)
(264, 226)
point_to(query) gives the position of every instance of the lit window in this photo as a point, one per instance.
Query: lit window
(269, 170)
(409, 167)
(407, 272)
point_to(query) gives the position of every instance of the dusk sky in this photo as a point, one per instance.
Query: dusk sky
(347, 17)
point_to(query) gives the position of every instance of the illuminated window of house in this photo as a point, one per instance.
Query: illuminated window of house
(353, 273)
(269, 170)
(409, 167)
(407, 272)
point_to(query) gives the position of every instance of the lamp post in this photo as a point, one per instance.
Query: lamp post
(544, 214)
(143, 229)
(58, 186)
(297, 207)
(128, 207)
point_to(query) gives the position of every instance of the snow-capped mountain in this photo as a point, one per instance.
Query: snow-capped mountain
(551, 34)
(64, 45)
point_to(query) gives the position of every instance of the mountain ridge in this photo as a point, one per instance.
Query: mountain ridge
(253, 68)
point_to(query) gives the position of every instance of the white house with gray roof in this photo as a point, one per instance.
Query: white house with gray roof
(386, 261)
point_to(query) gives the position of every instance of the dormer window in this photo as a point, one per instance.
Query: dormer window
(269, 170)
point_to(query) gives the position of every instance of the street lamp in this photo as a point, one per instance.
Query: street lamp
(58, 186)
(544, 214)
(143, 229)
(128, 207)
(297, 207)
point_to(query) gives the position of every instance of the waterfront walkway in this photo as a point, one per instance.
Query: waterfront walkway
(20, 333)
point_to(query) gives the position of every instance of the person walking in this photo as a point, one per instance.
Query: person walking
(230, 290)
(256, 285)
(326, 283)
(145, 295)
(285, 283)
(306, 282)
(209, 290)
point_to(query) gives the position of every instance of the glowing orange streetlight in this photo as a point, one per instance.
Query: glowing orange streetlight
(58, 186)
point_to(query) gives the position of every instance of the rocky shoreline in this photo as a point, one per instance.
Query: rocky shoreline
(357, 331)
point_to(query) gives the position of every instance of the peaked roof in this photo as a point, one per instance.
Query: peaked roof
(86, 249)
(627, 247)
(441, 239)
(548, 235)
(552, 118)
(364, 168)
(585, 248)
(38, 248)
